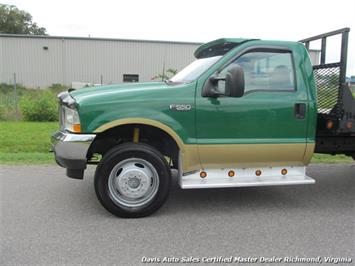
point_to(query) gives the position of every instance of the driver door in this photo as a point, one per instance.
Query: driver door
(261, 128)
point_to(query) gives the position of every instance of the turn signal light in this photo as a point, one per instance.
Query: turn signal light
(284, 171)
(258, 173)
(77, 128)
(203, 174)
(231, 173)
(330, 124)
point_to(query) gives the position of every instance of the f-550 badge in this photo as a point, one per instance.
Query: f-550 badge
(180, 107)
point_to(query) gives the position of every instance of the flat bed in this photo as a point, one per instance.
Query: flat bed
(336, 104)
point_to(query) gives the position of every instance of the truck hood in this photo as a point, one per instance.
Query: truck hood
(117, 90)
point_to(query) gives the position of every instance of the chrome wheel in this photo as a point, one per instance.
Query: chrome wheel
(133, 183)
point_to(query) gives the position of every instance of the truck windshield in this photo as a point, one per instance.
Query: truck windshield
(194, 70)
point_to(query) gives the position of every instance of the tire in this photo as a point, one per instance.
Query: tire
(132, 180)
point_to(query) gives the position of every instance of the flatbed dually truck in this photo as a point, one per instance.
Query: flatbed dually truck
(246, 112)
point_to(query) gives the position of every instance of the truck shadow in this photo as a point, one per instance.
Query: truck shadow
(334, 189)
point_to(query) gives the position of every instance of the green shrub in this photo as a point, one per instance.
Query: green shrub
(9, 89)
(39, 106)
(2, 112)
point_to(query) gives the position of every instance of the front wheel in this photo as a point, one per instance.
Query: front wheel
(132, 180)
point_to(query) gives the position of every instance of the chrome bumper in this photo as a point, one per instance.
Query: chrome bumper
(71, 151)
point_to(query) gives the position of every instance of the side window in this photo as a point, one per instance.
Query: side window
(271, 71)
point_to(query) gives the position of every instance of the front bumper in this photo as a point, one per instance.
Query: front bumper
(71, 151)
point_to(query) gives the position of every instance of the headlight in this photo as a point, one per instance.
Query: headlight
(71, 121)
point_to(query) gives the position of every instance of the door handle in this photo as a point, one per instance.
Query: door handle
(300, 110)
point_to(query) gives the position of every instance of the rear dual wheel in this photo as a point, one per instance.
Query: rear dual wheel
(132, 180)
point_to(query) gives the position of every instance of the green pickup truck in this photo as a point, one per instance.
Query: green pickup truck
(246, 112)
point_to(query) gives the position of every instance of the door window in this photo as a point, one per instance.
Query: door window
(265, 71)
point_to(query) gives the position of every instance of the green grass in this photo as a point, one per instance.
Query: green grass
(29, 143)
(326, 158)
(26, 158)
(26, 142)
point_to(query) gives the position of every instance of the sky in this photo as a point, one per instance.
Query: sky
(197, 20)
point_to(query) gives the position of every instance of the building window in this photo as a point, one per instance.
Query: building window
(130, 78)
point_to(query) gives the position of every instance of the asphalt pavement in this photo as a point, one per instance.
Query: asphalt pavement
(47, 218)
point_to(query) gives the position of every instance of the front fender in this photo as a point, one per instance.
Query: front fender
(167, 127)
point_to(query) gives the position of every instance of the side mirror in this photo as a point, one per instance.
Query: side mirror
(235, 84)
(210, 88)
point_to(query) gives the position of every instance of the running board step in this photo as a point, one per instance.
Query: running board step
(246, 177)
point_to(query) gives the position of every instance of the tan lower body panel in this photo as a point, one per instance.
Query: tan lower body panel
(190, 158)
(308, 153)
(196, 157)
(245, 155)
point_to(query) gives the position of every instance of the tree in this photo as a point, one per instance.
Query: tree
(166, 74)
(15, 21)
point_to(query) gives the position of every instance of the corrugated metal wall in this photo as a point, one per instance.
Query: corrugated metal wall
(70, 60)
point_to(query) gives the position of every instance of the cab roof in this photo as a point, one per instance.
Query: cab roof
(218, 47)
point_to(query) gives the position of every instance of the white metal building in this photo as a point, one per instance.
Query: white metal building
(40, 61)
